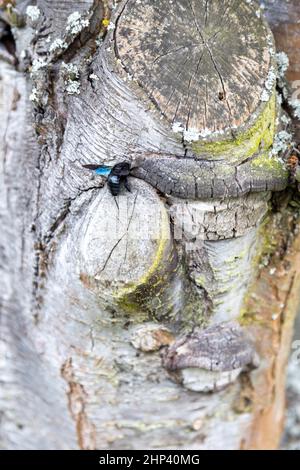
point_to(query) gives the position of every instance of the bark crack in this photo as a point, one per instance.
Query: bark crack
(77, 400)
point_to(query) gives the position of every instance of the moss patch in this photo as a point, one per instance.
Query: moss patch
(259, 136)
(149, 295)
(266, 163)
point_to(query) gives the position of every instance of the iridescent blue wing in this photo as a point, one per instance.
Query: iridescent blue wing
(99, 170)
(103, 170)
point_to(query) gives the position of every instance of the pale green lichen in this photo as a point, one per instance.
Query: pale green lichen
(38, 64)
(93, 76)
(282, 142)
(111, 26)
(76, 23)
(34, 96)
(269, 85)
(71, 78)
(73, 88)
(57, 44)
(295, 103)
(282, 63)
(33, 13)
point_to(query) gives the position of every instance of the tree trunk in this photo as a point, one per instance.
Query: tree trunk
(162, 317)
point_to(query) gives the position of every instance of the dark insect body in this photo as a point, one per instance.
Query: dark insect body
(117, 176)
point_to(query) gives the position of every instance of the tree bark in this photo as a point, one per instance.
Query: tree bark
(160, 318)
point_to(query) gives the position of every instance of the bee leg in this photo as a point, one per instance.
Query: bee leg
(127, 185)
(116, 202)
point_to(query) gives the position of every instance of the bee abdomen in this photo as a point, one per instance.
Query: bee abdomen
(114, 185)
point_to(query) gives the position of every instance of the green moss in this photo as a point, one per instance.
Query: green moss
(202, 281)
(152, 297)
(270, 164)
(248, 317)
(14, 16)
(259, 136)
(267, 244)
(136, 298)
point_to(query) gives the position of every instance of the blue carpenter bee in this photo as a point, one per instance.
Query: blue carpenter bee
(116, 176)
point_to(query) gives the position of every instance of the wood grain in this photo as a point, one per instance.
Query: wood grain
(195, 59)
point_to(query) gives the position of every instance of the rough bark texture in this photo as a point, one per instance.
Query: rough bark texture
(93, 287)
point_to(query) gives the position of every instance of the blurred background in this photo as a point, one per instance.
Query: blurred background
(284, 17)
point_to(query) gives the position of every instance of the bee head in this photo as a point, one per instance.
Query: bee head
(121, 169)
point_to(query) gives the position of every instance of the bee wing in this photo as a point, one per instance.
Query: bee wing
(99, 170)
(103, 170)
(90, 167)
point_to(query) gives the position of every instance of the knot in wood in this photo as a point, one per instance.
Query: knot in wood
(221, 347)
